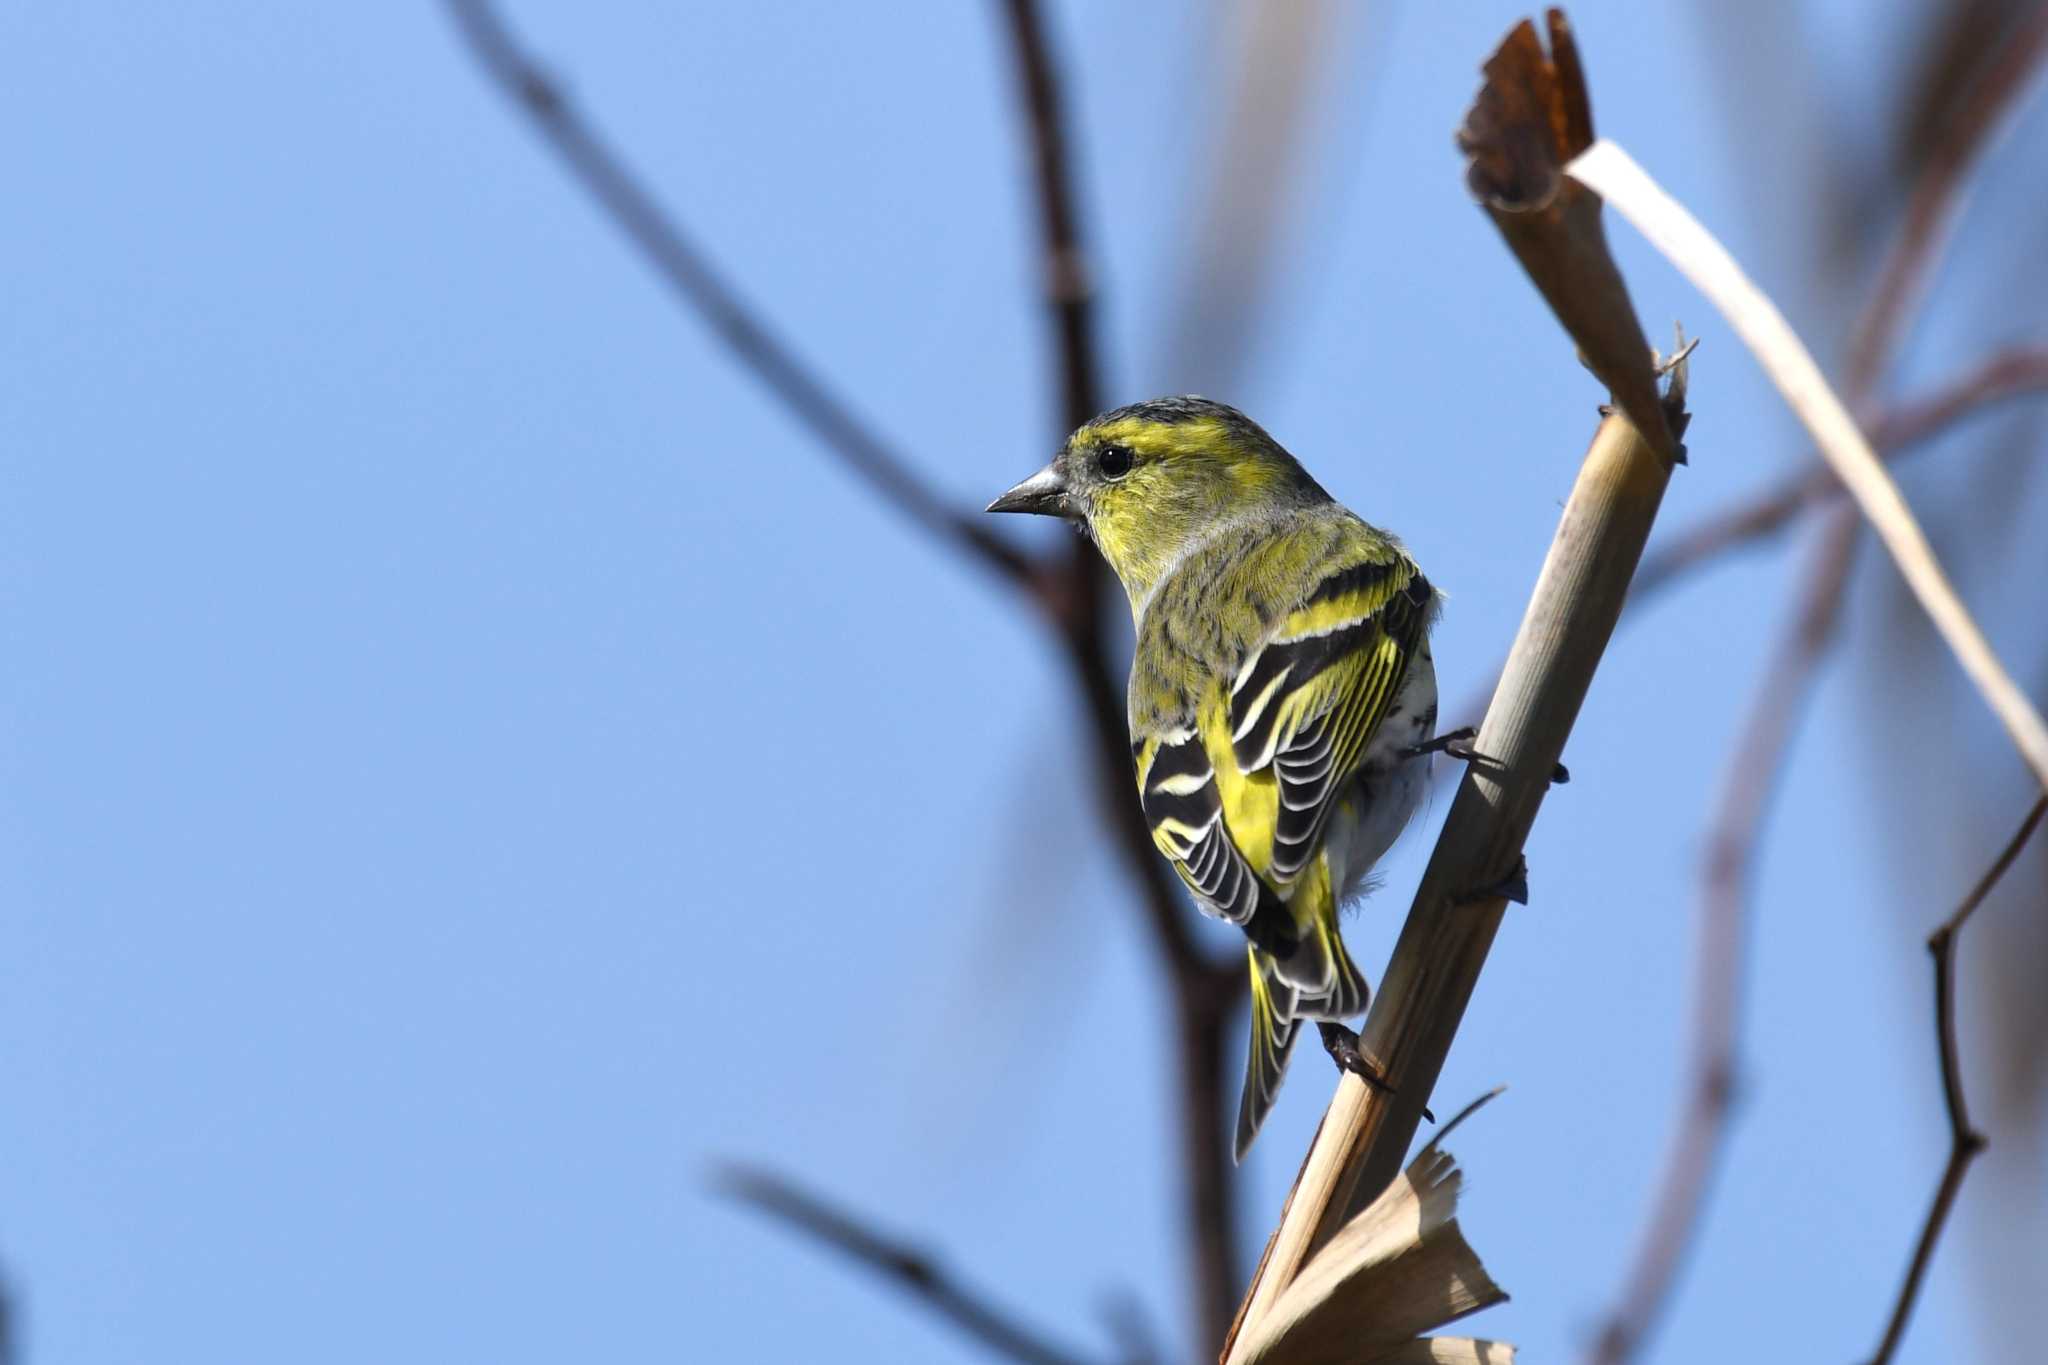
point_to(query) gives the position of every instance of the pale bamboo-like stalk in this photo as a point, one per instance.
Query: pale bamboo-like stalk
(1443, 944)
(1612, 174)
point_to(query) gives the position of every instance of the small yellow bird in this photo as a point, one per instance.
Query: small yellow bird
(1282, 697)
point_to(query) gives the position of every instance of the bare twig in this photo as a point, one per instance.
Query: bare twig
(1965, 1142)
(1768, 732)
(911, 1270)
(683, 267)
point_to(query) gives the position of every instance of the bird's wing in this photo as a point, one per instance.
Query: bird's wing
(1184, 807)
(1237, 794)
(1304, 703)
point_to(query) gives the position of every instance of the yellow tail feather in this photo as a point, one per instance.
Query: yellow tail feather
(1327, 984)
(1265, 1061)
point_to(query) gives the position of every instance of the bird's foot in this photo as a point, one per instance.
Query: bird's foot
(1342, 1045)
(1458, 744)
(1513, 887)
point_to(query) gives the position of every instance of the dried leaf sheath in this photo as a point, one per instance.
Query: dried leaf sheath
(1395, 1272)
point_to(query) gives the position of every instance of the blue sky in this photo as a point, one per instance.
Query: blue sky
(473, 763)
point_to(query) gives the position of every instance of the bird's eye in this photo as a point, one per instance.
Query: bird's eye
(1114, 461)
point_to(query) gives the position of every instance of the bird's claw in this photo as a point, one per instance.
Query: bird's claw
(1342, 1045)
(1513, 887)
(1458, 744)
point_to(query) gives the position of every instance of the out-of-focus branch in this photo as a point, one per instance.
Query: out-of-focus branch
(1074, 589)
(908, 1268)
(1270, 67)
(1670, 227)
(1965, 1142)
(1732, 838)
(1899, 431)
(1069, 290)
(1204, 992)
(1938, 196)
(1068, 590)
(1902, 429)
(1769, 729)
(1530, 118)
(684, 268)
(2007, 374)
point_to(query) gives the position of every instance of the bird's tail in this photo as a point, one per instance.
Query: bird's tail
(1327, 984)
(1265, 1061)
(1311, 978)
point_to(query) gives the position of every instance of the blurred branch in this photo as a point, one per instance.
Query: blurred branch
(1971, 129)
(1073, 591)
(912, 1271)
(1531, 116)
(1732, 838)
(1769, 729)
(1069, 292)
(1268, 68)
(1205, 993)
(1965, 1142)
(1685, 242)
(1958, 39)
(1069, 591)
(1899, 431)
(683, 267)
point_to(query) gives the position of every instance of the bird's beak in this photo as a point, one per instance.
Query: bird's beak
(1044, 493)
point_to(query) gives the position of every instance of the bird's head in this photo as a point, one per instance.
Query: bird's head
(1149, 480)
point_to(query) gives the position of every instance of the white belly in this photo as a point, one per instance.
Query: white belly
(1389, 786)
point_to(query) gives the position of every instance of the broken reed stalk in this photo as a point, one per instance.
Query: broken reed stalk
(1444, 943)
(1531, 117)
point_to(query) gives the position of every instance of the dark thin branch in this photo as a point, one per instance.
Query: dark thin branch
(684, 268)
(1965, 1142)
(909, 1269)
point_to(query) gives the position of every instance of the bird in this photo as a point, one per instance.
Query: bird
(1282, 695)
